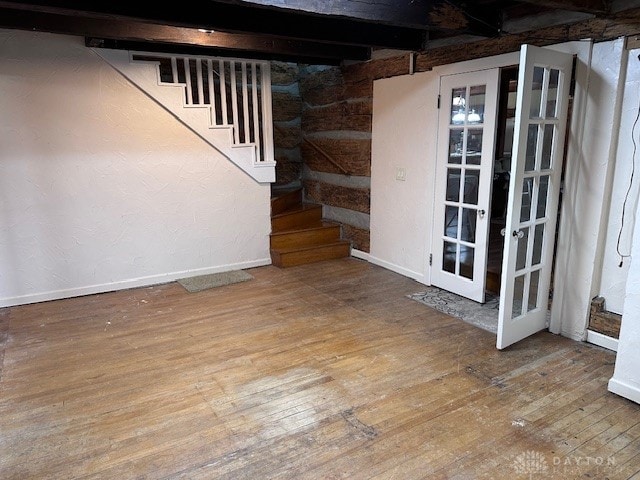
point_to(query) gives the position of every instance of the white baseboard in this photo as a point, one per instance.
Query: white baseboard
(602, 340)
(129, 283)
(419, 277)
(360, 254)
(624, 389)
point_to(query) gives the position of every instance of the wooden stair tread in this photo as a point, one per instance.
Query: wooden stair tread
(305, 228)
(281, 192)
(299, 216)
(308, 234)
(310, 247)
(299, 235)
(297, 209)
(286, 200)
(291, 257)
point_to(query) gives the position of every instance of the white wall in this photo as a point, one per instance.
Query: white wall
(403, 137)
(101, 188)
(404, 134)
(626, 377)
(621, 286)
(587, 186)
(613, 280)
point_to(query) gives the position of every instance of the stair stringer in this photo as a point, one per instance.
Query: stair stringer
(145, 75)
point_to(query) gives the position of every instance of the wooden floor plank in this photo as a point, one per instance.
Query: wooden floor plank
(475, 419)
(482, 461)
(319, 371)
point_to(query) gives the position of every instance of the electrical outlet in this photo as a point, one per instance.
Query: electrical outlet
(401, 174)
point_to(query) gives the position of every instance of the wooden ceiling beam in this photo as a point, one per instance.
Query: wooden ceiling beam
(198, 50)
(129, 34)
(421, 14)
(240, 18)
(454, 16)
(408, 13)
(595, 7)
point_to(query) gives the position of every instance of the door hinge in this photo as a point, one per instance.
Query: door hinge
(438, 101)
(430, 259)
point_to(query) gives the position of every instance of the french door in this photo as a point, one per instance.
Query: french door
(464, 169)
(536, 167)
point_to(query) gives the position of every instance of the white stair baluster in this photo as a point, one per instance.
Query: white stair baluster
(256, 112)
(234, 101)
(245, 105)
(187, 79)
(223, 94)
(199, 81)
(174, 70)
(267, 128)
(212, 93)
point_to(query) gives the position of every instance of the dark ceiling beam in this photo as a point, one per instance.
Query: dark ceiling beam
(420, 14)
(179, 39)
(231, 17)
(176, 49)
(456, 16)
(408, 13)
(595, 7)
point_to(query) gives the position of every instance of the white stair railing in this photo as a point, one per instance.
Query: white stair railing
(237, 92)
(226, 102)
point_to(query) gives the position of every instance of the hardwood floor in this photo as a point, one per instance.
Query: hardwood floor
(322, 371)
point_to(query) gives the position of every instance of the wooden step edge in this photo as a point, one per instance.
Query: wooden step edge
(297, 209)
(307, 228)
(284, 251)
(289, 192)
(302, 237)
(302, 219)
(285, 258)
(285, 201)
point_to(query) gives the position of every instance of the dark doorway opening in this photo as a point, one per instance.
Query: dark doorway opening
(501, 168)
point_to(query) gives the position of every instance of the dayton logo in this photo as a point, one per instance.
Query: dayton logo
(530, 463)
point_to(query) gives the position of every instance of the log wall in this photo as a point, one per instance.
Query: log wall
(287, 117)
(603, 321)
(336, 112)
(336, 147)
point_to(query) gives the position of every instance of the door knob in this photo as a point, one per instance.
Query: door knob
(481, 213)
(518, 233)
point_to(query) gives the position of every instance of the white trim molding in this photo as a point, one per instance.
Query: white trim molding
(418, 277)
(603, 341)
(130, 283)
(624, 389)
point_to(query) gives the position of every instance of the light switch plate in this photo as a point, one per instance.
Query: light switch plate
(401, 174)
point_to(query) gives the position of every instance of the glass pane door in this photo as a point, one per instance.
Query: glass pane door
(541, 115)
(463, 177)
(465, 156)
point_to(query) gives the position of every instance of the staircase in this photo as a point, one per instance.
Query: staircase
(226, 102)
(300, 235)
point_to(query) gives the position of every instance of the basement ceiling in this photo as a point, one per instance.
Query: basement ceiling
(307, 31)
